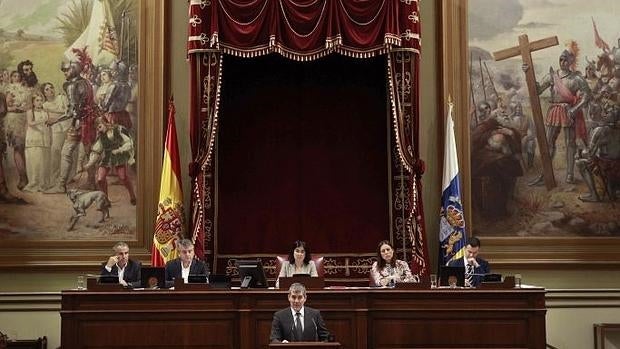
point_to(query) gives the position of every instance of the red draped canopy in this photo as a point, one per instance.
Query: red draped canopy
(305, 30)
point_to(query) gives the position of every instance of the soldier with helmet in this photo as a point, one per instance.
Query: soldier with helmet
(569, 94)
(81, 111)
(600, 163)
(117, 97)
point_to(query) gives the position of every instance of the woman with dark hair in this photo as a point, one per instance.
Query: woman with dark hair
(299, 262)
(388, 270)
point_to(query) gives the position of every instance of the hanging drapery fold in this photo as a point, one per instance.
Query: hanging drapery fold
(304, 30)
(206, 72)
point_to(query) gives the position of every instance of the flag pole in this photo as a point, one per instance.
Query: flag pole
(170, 220)
(452, 235)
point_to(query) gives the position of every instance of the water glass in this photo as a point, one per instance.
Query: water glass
(80, 283)
(518, 280)
(433, 280)
(452, 280)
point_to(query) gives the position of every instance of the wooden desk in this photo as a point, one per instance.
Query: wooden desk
(359, 318)
(305, 345)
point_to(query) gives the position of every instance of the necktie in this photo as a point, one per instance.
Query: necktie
(469, 277)
(299, 332)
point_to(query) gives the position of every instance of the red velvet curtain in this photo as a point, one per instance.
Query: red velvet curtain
(302, 155)
(303, 29)
(306, 30)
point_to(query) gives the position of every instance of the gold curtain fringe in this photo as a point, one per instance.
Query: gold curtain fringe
(333, 44)
(392, 40)
(399, 145)
(216, 108)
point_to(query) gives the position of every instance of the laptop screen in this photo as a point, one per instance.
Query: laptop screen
(219, 281)
(108, 279)
(448, 275)
(153, 277)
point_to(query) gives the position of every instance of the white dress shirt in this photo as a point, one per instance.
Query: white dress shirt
(121, 272)
(185, 271)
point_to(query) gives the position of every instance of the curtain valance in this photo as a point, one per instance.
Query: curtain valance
(303, 29)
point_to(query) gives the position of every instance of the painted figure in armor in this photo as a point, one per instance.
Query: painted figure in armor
(81, 112)
(599, 164)
(114, 104)
(569, 94)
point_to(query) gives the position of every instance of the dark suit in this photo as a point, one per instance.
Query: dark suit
(174, 270)
(283, 325)
(483, 268)
(132, 272)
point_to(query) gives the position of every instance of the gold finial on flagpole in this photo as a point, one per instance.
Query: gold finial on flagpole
(450, 102)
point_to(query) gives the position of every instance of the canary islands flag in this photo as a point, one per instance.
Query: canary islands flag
(452, 235)
(170, 222)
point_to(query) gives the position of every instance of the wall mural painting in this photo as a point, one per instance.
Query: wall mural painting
(578, 85)
(68, 115)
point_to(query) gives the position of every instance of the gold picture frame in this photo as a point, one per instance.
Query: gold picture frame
(83, 255)
(504, 252)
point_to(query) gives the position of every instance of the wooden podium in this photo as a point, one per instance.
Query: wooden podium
(306, 345)
(358, 316)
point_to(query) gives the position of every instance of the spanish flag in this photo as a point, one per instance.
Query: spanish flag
(170, 222)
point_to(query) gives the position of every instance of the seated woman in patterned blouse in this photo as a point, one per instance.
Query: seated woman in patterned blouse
(299, 262)
(388, 270)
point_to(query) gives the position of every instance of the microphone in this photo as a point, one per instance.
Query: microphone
(293, 332)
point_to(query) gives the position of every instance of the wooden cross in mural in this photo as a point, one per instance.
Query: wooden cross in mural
(525, 50)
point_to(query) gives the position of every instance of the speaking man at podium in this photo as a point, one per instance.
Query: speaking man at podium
(298, 323)
(475, 267)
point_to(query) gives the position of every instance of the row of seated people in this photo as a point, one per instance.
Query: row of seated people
(386, 271)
